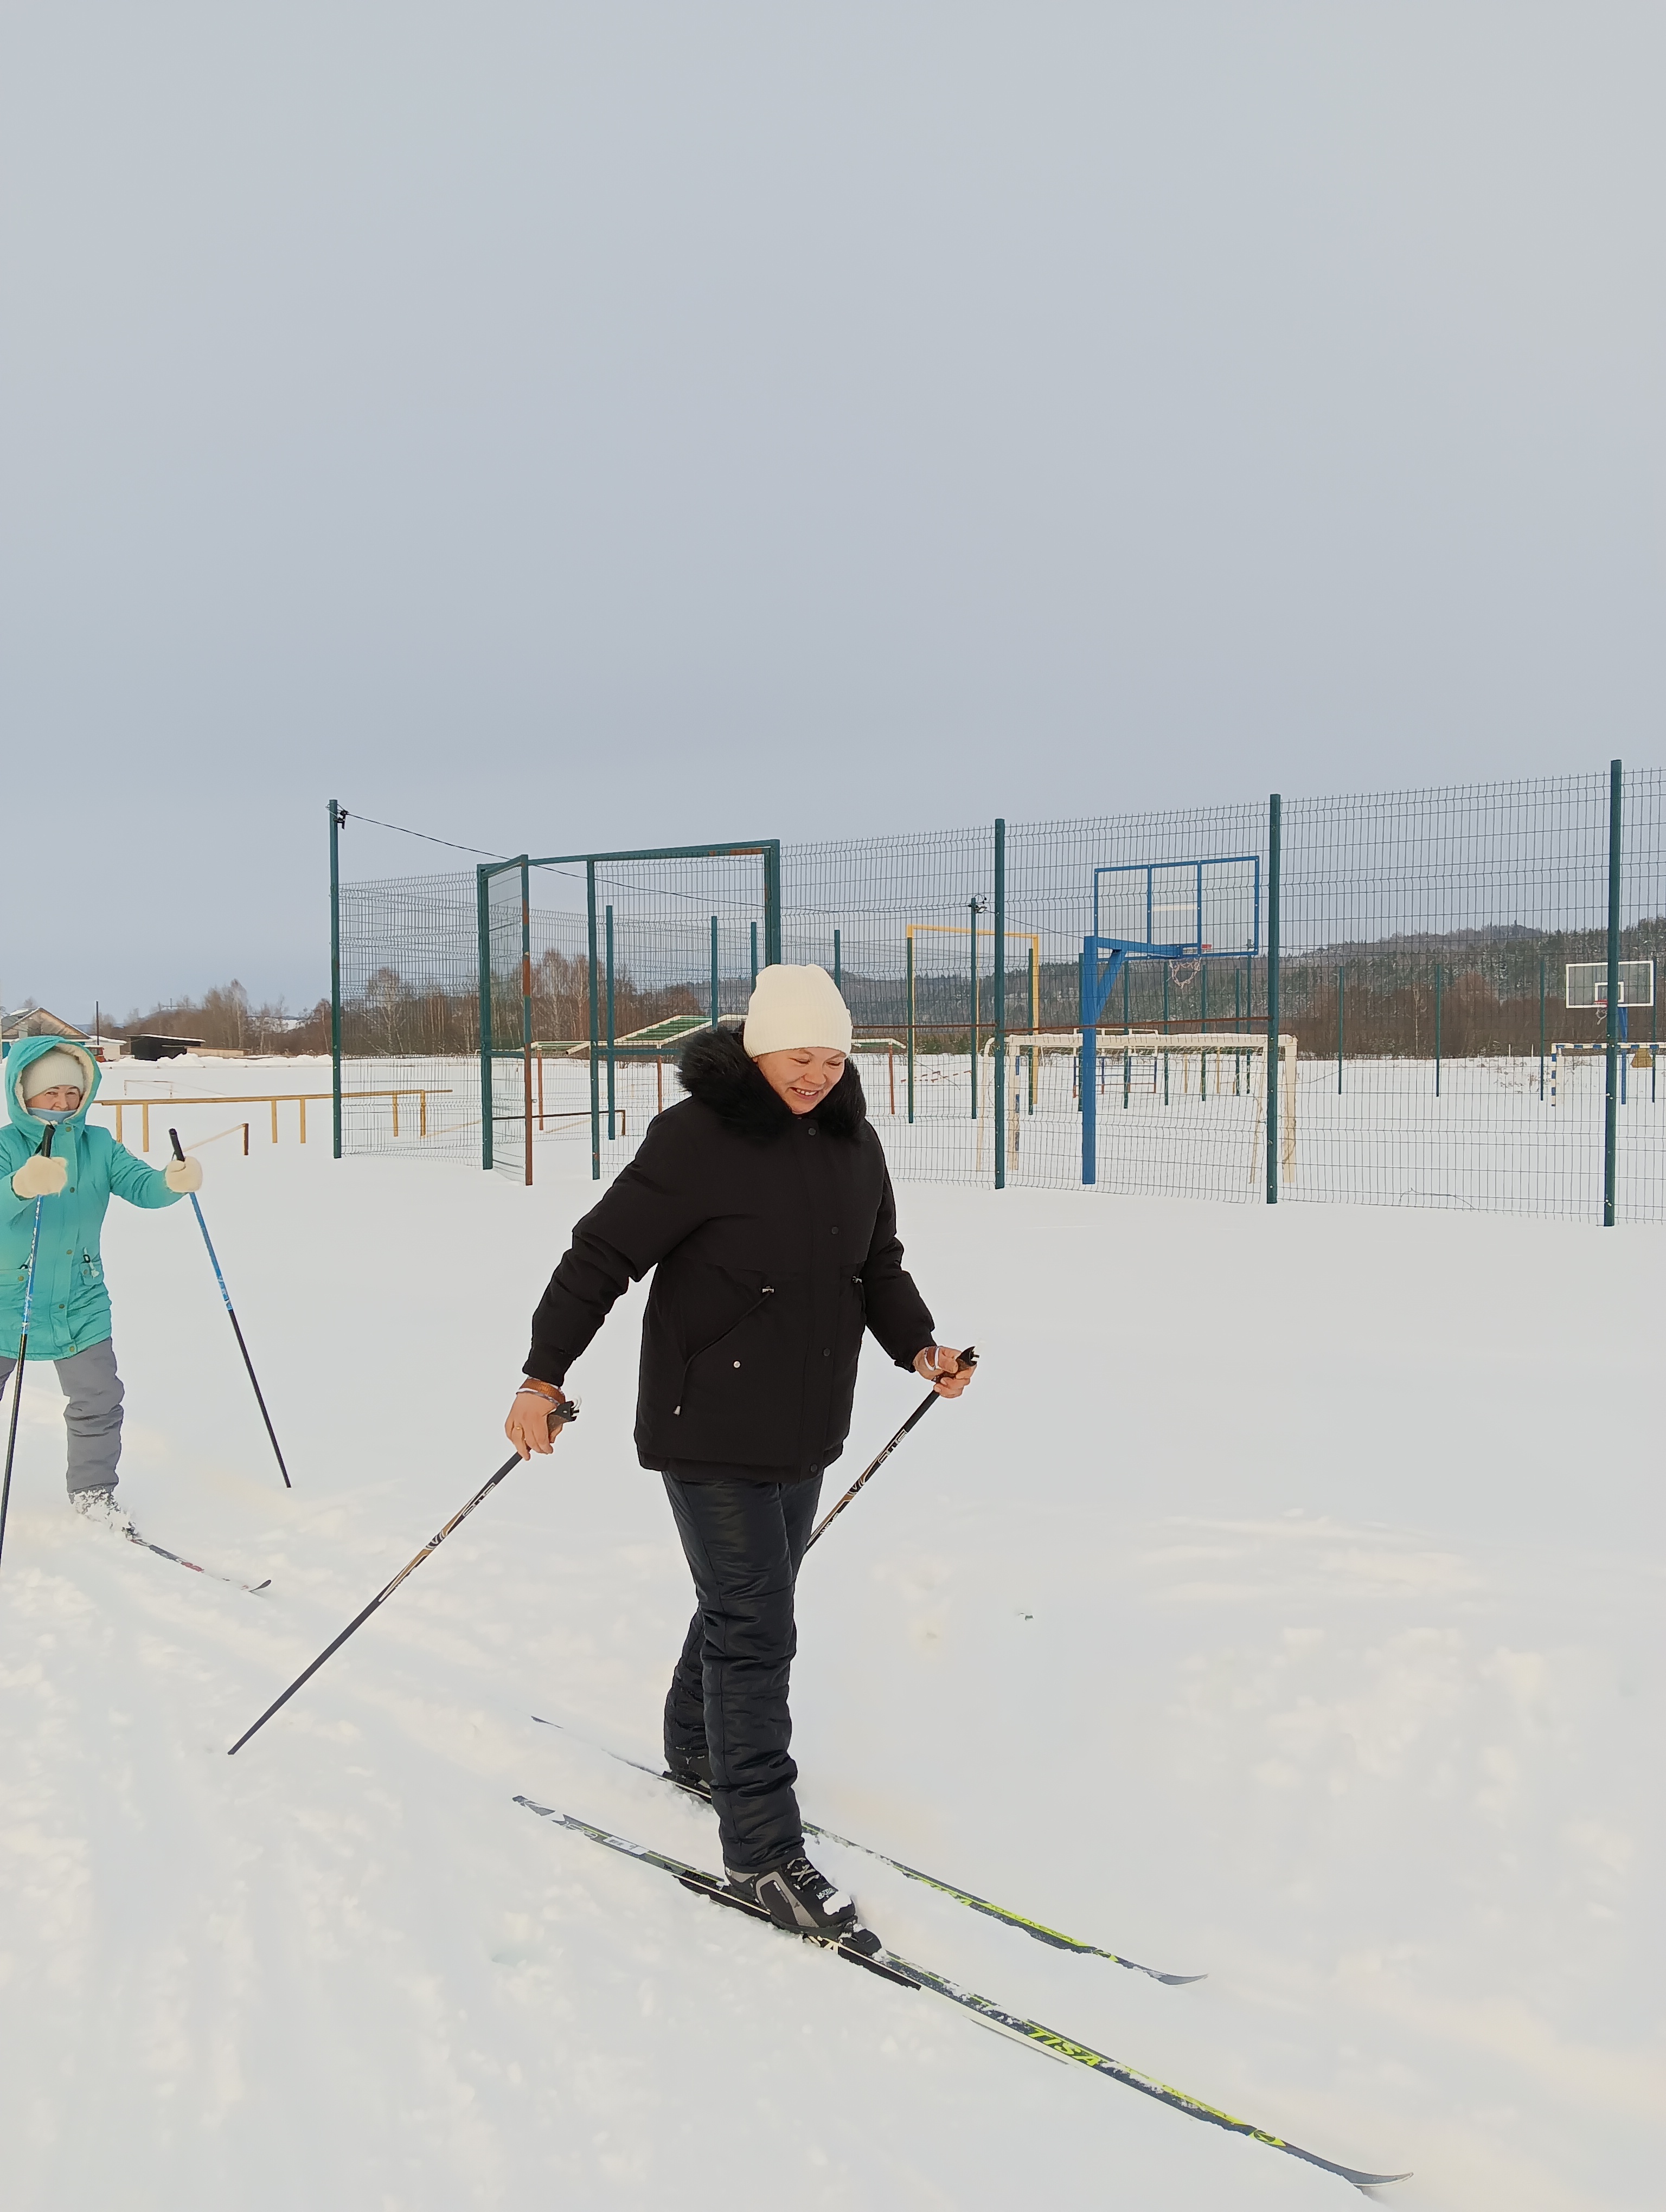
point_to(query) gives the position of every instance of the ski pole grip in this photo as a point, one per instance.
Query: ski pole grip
(179, 1149)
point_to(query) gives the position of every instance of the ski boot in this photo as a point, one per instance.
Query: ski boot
(99, 1507)
(797, 1895)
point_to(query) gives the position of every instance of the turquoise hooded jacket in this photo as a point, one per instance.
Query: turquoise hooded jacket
(71, 1308)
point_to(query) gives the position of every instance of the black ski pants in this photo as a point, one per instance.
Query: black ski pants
(742, 1541)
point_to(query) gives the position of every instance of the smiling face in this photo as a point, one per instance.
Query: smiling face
(802, 1077)
(64, 1099)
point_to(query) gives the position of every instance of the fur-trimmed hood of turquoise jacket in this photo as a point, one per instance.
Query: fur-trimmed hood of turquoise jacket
(71, 1307)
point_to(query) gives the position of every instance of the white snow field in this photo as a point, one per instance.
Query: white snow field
(1283, 1604)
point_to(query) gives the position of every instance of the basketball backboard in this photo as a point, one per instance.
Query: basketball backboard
(1192, 906)
(1588, 983)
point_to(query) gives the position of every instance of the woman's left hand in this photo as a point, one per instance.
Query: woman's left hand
(939, 1366)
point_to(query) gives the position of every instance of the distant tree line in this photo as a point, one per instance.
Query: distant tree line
(391, 1016)
(1488, 988)
(227, 1019)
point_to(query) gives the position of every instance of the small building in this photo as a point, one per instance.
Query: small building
(143, 1047)
(39, 1021)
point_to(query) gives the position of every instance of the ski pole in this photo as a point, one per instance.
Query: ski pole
(557, 1413)
(179, 1154)
(22, 1346)
(968, 1358)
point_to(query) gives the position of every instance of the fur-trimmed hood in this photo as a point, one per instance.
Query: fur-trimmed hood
(22, 1056)
(715, 1069)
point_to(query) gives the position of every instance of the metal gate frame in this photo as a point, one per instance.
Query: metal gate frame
(767, 850)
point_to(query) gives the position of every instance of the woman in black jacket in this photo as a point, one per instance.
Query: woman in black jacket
(764, 1204)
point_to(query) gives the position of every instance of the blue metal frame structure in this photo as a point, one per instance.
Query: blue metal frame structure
(1095, 987)
(1099, 980)
(1196, 943)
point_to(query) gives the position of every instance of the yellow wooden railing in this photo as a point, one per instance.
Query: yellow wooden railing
(274, 1099)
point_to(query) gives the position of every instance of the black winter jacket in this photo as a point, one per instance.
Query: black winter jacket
(774, 1240)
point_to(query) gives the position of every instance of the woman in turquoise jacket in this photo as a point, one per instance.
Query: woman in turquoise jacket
(50, 1084)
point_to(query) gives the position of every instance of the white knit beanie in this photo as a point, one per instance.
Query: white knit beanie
(795, 1008)
(48, 1072)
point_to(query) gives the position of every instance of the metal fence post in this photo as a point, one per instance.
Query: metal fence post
(1542, 1032)
(1338, 1032)
(909, 956)
(1274, 838)
(714, 1006)
(1087, 991)
(336, 819)
(1437, 1028)
(973, 907)
(772, 903)
(482, 875)
(610, 1027)
(1611, 1104)
(755, 956)
(595, 1028)
(838, 963)
(526, 1009)
(1203, 1030)
(1034, 1023)
(1001, 1005)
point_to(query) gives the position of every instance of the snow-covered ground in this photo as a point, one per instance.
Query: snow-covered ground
(1283, 1604)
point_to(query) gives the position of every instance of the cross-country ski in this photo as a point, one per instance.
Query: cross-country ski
(100, 1508)
(867, 1951)
(213, 1573)
(1052, 1937)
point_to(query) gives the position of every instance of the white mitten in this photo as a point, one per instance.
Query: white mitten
(184, 1174)
(40, 1177)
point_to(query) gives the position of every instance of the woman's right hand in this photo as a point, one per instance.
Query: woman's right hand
(530, 1428)
(40, 1177)
(945, 1369)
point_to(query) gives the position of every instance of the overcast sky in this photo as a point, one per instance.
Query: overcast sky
(564, 426)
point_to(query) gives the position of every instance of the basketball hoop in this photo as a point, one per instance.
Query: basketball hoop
(1187, 971)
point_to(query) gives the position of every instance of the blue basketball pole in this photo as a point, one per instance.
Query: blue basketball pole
(231, 1314)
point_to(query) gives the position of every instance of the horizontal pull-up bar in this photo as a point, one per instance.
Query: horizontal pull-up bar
(758, 846)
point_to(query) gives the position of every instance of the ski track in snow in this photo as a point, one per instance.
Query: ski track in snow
(1270, 1610)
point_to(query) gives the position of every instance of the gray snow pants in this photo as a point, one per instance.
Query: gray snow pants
(89, 1382)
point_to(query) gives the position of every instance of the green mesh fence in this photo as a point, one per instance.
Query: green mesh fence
(1428, 939)
(1439, 960)
(410, 1017)
(678, 938)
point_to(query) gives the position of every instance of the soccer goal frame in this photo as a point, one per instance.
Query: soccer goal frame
(1246, 1049)
(1568, 1053)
